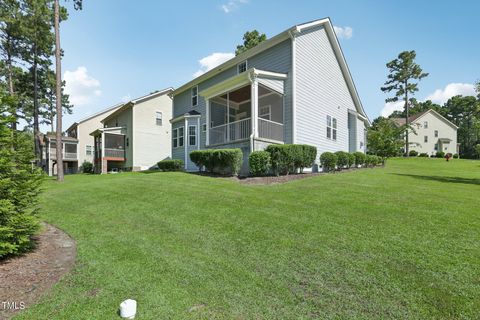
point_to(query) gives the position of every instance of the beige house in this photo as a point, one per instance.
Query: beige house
(136, 136)
(49, 154)
(433, 133)
(81, 131)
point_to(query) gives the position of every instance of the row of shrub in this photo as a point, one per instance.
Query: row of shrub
(222, 161)
(344, 160)
(438, 154)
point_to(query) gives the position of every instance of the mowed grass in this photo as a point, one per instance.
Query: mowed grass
(396, 242)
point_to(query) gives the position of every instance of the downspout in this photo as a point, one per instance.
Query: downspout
(292, 34)
(251, 111)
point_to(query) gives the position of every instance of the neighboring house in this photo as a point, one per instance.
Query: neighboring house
(136, 136)
(81, 130)
(433, 133)
(69, 154)
(293, 88)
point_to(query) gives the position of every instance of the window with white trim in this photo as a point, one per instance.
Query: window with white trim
(436, 133)
(265, 112)
(204, 127)
(425, 124)
(158, 118)
(331, 128)
(177, 137)
(425, 139)
(88, 150)
(194, 96)
(192, 135)
(242, 67)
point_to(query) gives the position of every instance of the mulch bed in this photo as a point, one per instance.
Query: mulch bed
(274, 179)
(24, 279)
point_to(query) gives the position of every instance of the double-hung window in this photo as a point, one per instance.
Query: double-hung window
(425, 124)
(177, 137)
(331, 128)
(192, 135)
(158, 118)
(425, 139)
(88, 150)
(194, 96)
(242, 67)
(436, 133)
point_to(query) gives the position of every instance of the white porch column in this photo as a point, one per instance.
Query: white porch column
(254, 107)
(207, 138)
(228, 116)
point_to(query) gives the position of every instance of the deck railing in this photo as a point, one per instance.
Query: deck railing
(114, 153)
(229, 132)
(270, 129)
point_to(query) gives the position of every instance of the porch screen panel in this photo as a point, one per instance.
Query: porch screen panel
(114, 141)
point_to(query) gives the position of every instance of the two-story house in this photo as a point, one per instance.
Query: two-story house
(81, 130)
(292, 88)
(135, 136)
(49, 154)
(431, 133)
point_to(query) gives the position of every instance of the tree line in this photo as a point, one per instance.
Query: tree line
(402, 80)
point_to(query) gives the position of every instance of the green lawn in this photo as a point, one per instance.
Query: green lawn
(395, 242)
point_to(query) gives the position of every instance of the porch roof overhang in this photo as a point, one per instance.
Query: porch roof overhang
(241, 80)
(444, 140)
(190, 114)
(100, 130)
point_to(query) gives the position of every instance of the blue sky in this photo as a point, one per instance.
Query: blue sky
(118, 49)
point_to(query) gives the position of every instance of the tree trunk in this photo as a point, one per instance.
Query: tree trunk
(58, 87)
(10, 88)
(407, 122)
(36, 126)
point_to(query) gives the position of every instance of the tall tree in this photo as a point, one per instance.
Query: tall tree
(58, 85)
(39, 49)
(465, 113)
(402, 79)
(11, 42)
(250, 40)
(477, 88)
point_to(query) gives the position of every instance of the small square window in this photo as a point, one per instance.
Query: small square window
(242, 67)
(194, 96)
(158, 118)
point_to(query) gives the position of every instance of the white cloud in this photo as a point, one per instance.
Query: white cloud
(209, 62)
(343, 32)
(232, 5)
(126, 98)
(81, 86)
(392, 106)
(452, 89)
(439, 96)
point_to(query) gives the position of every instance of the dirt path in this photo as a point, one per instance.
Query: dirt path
(24, 279)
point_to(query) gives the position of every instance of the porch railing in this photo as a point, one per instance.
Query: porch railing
(232, 131)
(66, 155)
(270, 129)
(114, 153)
(70, 155)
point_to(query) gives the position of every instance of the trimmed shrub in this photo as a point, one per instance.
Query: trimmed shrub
(288, 158)
(413, 153)
(455, 156)
(328, 161)
(371, 160)
(171, 165)
(440, 154)
(87, 167)
(223, 161)
(259, 163)
(359, 158)
(351, 160)
(423, 155)
(342, 159)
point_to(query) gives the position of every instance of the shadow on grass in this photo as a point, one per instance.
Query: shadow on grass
(442, 179)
